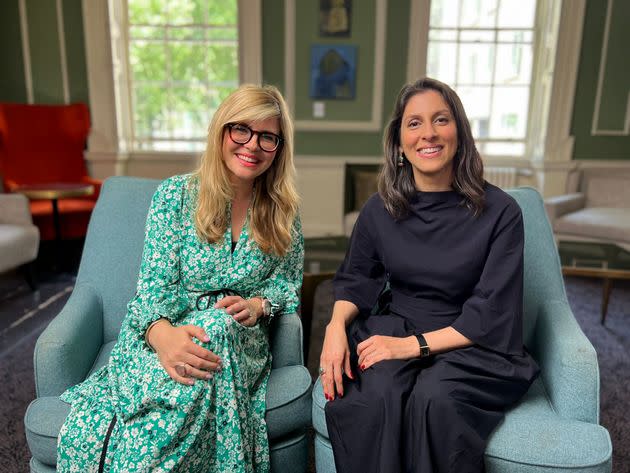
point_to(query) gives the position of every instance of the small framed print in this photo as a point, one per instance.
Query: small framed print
(333, 71)
(334, 17)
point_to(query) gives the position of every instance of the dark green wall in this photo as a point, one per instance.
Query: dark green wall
(338, 143)
(45, 47)
(615, 83)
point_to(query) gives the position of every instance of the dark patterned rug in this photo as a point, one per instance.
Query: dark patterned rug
(23, 316)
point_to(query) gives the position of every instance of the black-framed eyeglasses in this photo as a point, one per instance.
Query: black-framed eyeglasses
(241, 134)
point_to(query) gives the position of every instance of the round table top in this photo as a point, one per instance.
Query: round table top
(55, 190)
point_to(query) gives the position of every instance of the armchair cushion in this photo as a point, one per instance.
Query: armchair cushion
(19, 238)
(598, 223)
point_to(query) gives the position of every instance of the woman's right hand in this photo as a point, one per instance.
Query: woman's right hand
(180, 356)
(334, 360)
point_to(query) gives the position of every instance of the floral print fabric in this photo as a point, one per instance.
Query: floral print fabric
(212, 426)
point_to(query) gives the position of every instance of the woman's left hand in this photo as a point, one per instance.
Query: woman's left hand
(245, 311)
(379, 347)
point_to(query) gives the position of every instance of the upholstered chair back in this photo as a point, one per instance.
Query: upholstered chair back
(113, 246)
(542, 275)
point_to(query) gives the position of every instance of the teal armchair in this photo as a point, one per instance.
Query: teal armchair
(78, 341)
(555, 427)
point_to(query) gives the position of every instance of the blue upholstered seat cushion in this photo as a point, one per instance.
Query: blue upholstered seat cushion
(531, 434)
(288, 400)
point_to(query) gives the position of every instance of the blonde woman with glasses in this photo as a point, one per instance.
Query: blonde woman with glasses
(185, 386)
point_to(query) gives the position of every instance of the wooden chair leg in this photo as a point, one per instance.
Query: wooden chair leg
(30, 274)
(605, 298)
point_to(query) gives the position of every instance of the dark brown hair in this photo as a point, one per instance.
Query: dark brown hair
(396, 185)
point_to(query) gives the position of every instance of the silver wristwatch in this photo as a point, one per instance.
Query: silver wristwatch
(266, 307)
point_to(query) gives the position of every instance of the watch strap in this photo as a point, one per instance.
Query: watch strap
(424, 347)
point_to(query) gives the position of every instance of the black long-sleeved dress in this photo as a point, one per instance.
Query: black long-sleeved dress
(445, 267)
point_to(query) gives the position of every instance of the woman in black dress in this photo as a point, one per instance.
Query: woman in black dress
(419, 384)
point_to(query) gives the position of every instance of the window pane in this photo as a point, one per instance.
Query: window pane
(187, 118)
(516, 36)
(216, 95)
(150, 107)
(444, 13)
(221, 12)
(440, 63)
(223, 64)
(183, 57)
(226, 33)
(475, 63)
(146, 12)
(516, 13)
(514, 64)
(502, 148)
(147, 61)
(188, 62)
(476, 101)
(186, 12)
(509, 112)
(478, 13)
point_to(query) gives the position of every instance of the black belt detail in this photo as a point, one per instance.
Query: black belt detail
(110, 429)
(210, 294)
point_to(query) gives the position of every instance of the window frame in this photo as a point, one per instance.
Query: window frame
(109, 151)
(548, 51)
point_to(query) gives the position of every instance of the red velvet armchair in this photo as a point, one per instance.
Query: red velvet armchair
(43, 144)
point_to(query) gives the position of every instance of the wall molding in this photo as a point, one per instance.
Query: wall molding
(26, 51)
(63, 60)
(419, 23)
(376, 117)
(595, 130)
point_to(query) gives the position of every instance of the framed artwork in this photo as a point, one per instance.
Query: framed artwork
(334, 17)
(333, 71)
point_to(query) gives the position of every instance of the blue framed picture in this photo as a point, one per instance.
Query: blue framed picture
(333, 71)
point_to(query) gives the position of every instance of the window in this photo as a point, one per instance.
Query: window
(182, 61)
(484, 49)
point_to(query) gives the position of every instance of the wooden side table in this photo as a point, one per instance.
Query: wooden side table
(54, 191)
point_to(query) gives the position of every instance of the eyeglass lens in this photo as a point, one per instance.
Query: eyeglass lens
(241, 134)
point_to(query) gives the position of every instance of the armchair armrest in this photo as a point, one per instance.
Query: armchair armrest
(97, 183)
(66, 350)
(563, 204)
(286, 340)
(568, 363)
(14, 209)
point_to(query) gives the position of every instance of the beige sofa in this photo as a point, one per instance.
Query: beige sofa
(597, 207)
(19, 238)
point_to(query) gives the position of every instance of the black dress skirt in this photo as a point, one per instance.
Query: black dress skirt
(445, 267)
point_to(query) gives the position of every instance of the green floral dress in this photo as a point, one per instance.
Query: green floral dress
(212, 426)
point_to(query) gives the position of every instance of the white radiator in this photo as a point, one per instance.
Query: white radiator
(503, 177)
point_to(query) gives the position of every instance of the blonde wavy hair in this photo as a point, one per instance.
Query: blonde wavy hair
(276, 200)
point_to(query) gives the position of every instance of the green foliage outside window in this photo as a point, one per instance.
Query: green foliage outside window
(183, 61)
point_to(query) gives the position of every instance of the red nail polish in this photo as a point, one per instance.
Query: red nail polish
(340, 395)
(362, 367)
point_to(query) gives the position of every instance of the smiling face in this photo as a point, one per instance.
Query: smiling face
(428, 139)
(248, 161)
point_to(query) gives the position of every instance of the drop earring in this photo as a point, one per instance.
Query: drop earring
(400, 160)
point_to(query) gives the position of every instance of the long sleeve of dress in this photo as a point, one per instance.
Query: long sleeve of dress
(282, 287)
(361, 276)
(492, 316)
(157, 295)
